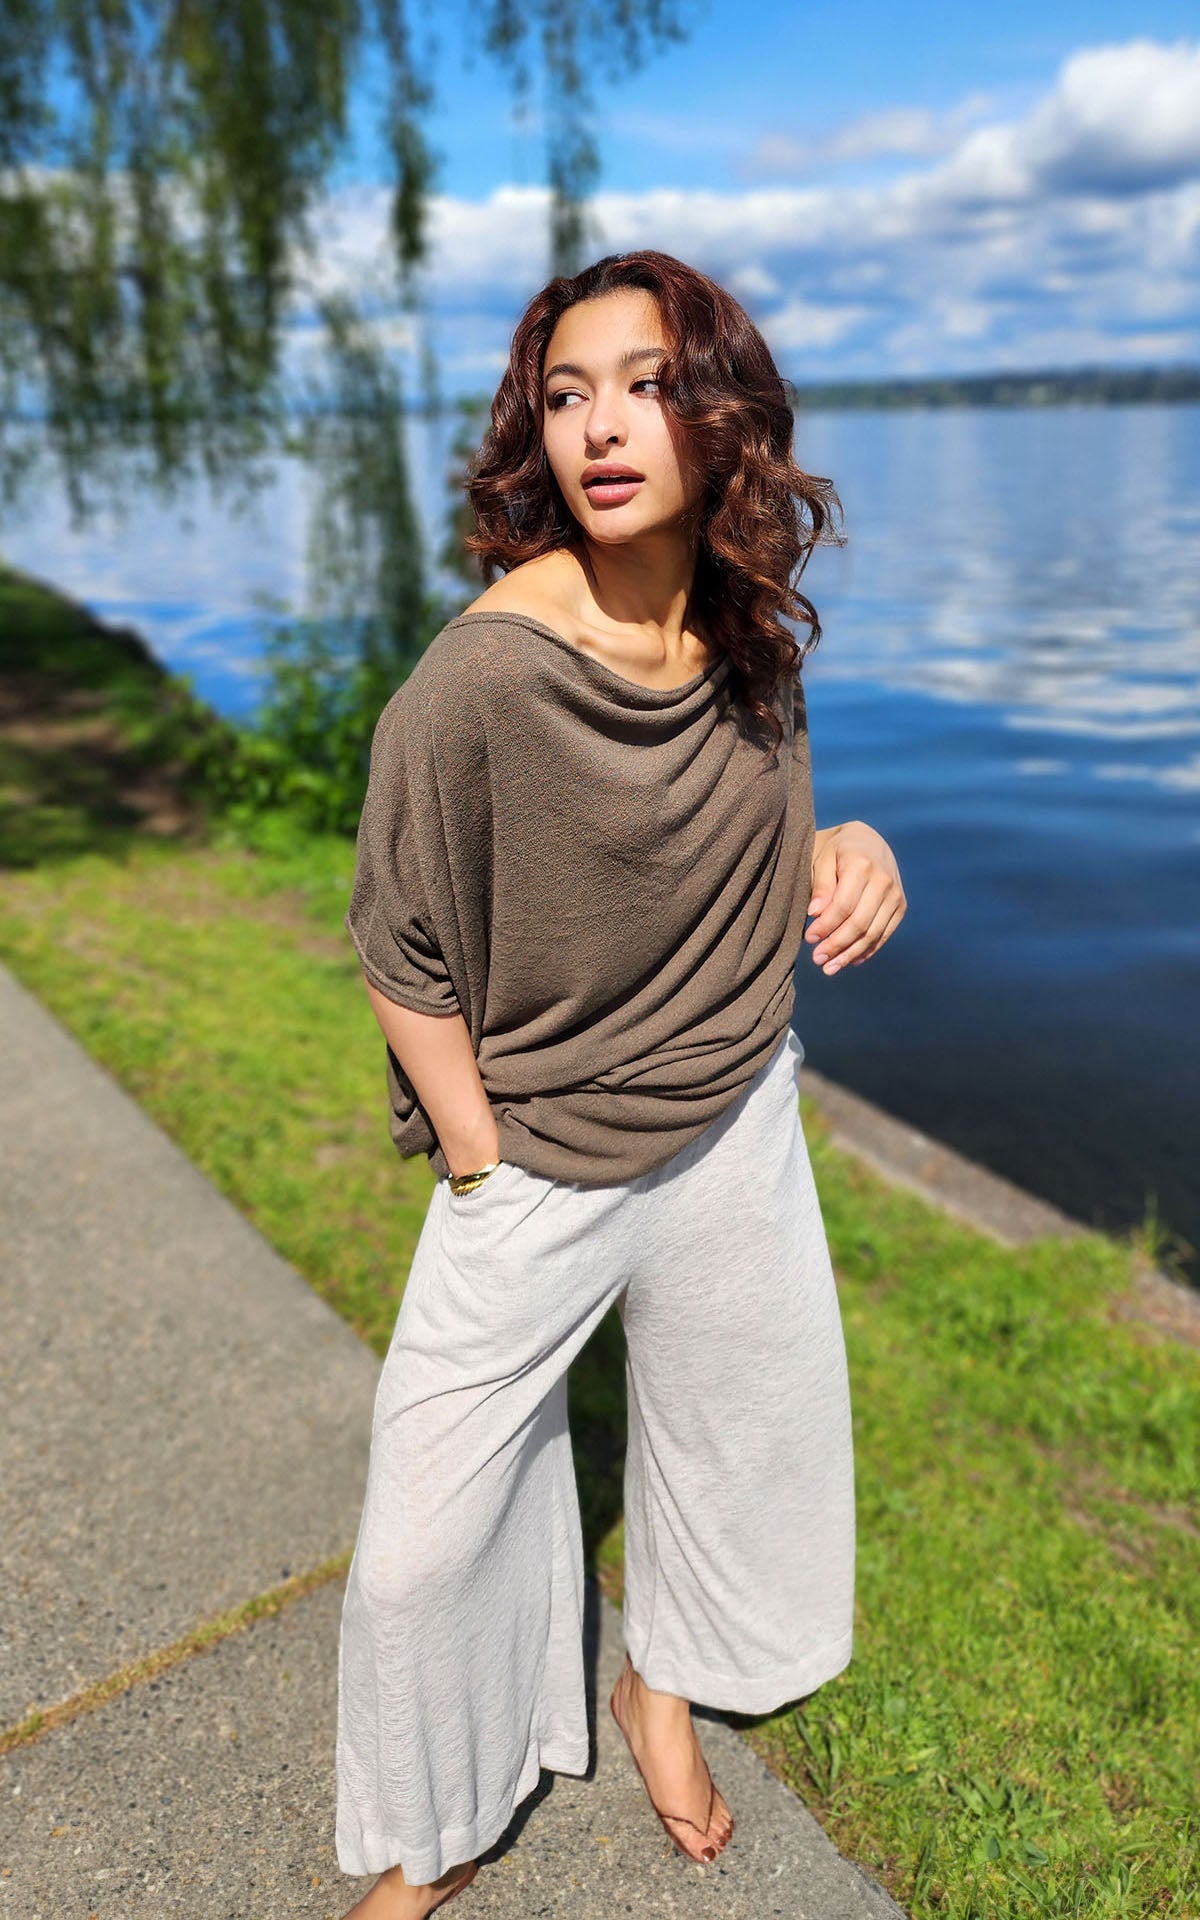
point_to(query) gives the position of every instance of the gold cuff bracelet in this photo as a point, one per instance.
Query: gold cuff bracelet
(467, 1182)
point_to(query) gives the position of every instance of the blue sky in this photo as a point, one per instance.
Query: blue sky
(888, 190)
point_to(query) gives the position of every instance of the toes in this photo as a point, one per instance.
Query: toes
(721, 1828)
(703, 1849)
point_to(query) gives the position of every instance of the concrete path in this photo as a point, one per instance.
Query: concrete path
(186, 1428)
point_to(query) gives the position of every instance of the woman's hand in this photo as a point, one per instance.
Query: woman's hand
(857, 899)
(435, 1053)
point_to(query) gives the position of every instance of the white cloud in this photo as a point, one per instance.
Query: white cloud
(894, 130)
(753, 282)
(1120, 120)
(1069, 233)
(806, 323)
(675, 133)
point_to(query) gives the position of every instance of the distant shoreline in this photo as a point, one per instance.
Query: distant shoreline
(1049, 387)
(1083, 386)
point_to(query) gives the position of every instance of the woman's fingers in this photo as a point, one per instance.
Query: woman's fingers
(876, 940)
(865, 926)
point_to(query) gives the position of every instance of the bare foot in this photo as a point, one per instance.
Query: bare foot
(659, 1733)
(391, 1898)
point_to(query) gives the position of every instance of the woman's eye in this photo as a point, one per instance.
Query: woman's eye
(565, 393)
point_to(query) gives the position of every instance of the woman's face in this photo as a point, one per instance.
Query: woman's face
(597, 410)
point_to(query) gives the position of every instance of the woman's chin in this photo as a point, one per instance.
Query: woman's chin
(620, 525)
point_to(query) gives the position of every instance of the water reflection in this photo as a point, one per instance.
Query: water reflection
(1045, 563)
(201, 585)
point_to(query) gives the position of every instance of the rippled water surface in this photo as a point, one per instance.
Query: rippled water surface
(1008, 687)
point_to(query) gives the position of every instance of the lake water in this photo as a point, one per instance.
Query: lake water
(1008, 688)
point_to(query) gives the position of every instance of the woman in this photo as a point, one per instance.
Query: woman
(584, 865)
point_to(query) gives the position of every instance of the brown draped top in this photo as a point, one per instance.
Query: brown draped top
(609, 881)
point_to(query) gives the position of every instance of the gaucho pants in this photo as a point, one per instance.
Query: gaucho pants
(460, 1665)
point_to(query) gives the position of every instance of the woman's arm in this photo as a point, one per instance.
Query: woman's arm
(436, 1055)
(857, 897)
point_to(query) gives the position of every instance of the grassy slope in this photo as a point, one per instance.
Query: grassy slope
(92, 733)
(1019, 1730)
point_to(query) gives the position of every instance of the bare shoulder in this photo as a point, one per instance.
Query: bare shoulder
(535, 588)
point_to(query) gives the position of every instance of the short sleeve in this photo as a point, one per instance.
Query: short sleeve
(391, 915)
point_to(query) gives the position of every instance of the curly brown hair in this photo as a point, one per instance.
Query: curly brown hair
(761, 515)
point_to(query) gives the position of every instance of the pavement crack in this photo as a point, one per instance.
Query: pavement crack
(202, 1638)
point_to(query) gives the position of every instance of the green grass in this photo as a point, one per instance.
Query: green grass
(1017, 1733)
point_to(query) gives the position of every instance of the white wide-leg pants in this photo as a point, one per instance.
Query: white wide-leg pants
(460, 1663)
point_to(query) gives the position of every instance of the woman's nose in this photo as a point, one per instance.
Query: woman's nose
(604, 428)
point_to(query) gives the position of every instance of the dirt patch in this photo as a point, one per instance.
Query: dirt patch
(1129, 1555)
(1129, 1534)
(27, 697)
(1156, 1301)
(191, 894)
(93, 734)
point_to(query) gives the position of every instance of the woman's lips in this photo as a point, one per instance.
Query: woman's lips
(611, 493)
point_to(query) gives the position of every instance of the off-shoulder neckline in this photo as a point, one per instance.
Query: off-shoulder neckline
(649, 696)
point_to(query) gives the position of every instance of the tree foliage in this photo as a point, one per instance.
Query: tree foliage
(160, 161)
(162, 167)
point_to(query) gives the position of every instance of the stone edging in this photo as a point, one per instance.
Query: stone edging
(985, 1200)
